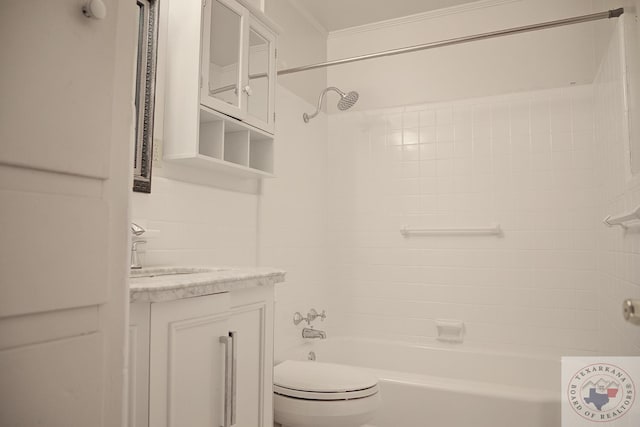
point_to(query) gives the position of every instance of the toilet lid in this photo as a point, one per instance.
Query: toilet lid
(322, 381)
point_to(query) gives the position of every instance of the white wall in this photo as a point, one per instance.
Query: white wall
(523, 160)
(619, 251)
(543, 59)
(303, 41)
(292, 220)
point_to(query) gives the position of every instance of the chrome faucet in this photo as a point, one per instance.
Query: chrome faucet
(313, 333)
(137, 231)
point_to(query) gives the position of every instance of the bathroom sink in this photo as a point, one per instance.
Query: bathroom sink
(170, 271)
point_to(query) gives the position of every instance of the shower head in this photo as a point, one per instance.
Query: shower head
(347, 100)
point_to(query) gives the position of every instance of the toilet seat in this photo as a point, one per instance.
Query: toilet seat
(310, 380)
(310, 395)
(316, 394)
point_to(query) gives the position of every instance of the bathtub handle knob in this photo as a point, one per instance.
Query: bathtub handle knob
(297, 318)
(313, 315)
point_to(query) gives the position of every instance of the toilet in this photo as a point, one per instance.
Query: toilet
(315, 394)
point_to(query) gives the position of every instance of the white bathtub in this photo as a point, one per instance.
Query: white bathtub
(449, 387)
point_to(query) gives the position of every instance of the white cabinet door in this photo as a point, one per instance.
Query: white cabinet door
(252, 320)
(248, 325)
(260, 88)
(187, 367)
(224, 62)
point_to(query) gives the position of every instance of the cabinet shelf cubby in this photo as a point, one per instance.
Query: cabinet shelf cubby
(228, 145)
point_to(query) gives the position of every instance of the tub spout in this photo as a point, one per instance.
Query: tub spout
(313, 333)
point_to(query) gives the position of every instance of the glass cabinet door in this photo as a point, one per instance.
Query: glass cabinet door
(222, 56)
(238, 64)
(260, 59)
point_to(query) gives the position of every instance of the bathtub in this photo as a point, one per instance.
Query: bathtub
(447, 386)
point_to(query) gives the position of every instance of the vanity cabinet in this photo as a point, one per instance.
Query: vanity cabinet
(220, 87)
(209, 361)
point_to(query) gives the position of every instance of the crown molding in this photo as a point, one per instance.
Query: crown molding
(302, 10)
(423, 16)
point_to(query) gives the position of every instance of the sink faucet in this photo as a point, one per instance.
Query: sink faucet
(313, 333)
(137, 231)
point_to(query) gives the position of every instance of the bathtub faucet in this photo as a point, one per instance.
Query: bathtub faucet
(313, 333)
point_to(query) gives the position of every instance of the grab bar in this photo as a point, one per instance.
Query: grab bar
(621, 219)
(494, 229)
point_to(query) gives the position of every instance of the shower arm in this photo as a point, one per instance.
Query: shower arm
(308, 117)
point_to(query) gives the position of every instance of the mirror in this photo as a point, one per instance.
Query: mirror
(145, 93)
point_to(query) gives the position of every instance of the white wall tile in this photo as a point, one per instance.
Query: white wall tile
(524, 160)
(617, 263)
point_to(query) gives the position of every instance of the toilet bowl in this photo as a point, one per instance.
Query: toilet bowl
(315, 394)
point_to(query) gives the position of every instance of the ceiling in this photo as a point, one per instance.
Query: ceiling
(339, 14)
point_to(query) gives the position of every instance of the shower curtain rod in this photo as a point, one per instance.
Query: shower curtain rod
(614, 13)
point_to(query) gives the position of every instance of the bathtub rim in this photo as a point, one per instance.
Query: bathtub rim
(538, 388)
(462, 348)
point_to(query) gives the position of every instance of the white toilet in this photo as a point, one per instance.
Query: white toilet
(315, 394)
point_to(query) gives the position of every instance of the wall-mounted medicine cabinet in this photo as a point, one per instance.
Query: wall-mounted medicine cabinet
(219, 108)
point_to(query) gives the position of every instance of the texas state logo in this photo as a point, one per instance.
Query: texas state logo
(600, 391)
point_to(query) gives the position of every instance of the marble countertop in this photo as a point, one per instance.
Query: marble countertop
(157, 284)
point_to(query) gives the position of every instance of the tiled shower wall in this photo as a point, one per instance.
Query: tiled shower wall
(525, 161)
(619, 192)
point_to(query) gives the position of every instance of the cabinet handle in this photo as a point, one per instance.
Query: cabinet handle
(227, 340)
(247, 89)
(230, 377)
(234, 375)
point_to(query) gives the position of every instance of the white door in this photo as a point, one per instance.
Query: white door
(66, 111)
